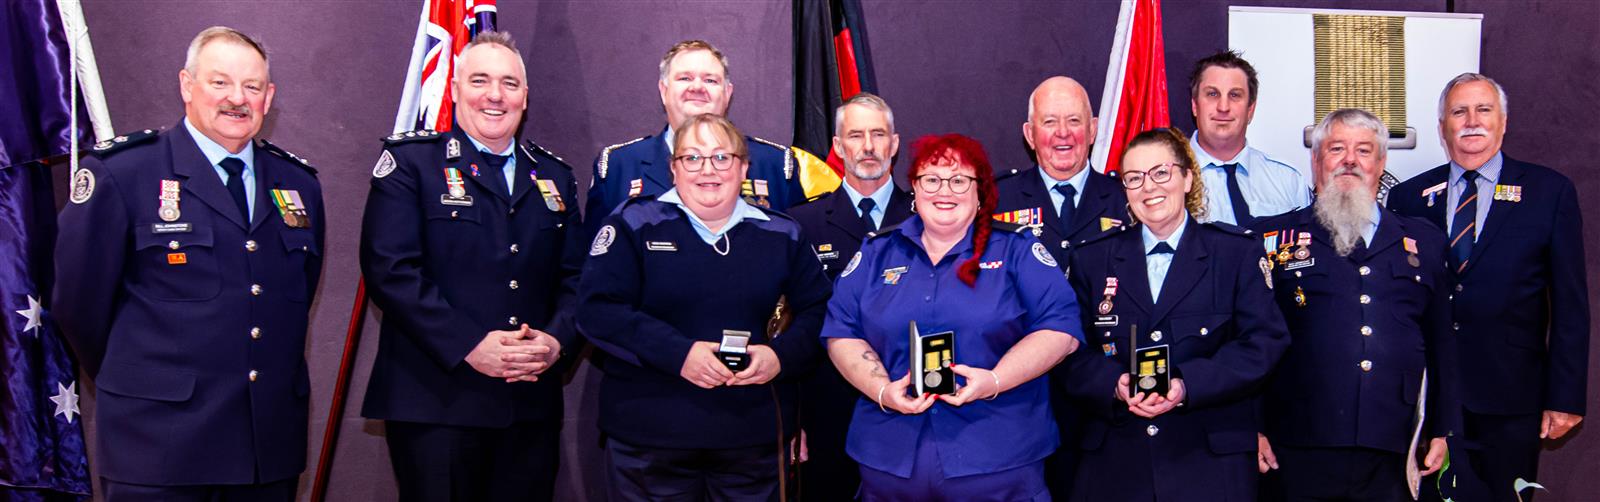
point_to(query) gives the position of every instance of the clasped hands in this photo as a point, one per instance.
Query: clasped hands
(703, 368)
(1151, 405)
(515, 355)
(981, 384)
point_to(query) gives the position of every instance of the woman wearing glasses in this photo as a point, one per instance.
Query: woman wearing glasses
(671, 286)
(1202, 294)
(950, 267)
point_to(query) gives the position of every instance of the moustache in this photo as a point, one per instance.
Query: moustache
(1472, 131)
(240, 109)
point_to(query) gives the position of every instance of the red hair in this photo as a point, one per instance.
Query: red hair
(963, 151)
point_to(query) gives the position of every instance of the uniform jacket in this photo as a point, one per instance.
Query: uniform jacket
(1102, 207)
(834, 229)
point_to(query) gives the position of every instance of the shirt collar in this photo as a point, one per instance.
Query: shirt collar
(1489, 170)
(1150, 239)
(1204, 158)
(667, 137)
(912, 228)
(214, 152)
(1077, 180)
(510, 147)
(741, 211)
(880, 197)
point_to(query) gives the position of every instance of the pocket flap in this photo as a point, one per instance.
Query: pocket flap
(146, 237)
(145, 382)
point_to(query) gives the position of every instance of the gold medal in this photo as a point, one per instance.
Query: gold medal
(1105, 306)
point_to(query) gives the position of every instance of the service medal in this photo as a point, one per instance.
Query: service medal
(1105, 306)
(169, 211)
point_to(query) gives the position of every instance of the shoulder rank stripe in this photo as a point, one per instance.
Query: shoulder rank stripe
(788, 157)
(106, 147)
(408, 136)
(605, 155)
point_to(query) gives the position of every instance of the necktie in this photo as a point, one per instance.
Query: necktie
(1162, 248)
(866, 206)
(1241, 210)
(497, 163)
(1464, 225)
(235, 169)
(1068, 207)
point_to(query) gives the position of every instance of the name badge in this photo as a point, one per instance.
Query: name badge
(660, 246)
(1296, 265)
(1105, 320)
(171, 228)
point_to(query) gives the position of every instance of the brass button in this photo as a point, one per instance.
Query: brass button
(1204, 331)
(1365, 270)
(255, 289)
(513, 284)
(250, 246)
(1366, 365)
(512, 321)
(1155, 337)
(1365, 299)
(254, 374)
(1366, 331)
(172, 245)
(255, 333)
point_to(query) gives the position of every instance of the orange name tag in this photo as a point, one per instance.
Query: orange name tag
(177, 258)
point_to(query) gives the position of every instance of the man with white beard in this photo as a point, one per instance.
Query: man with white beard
(1366, 296)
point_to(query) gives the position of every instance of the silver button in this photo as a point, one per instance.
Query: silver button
(1458, 288)
(1155, 337)
(255, 289)
(1365, 299)
(250, 246)
(1297, 273)
(1366, 331)
(512, 321)
(1365, 270)
(513, 210)
(1152, 430)
(1204, 331)
(1366, 365)
(454, 214)
(515, 249)
(513, 284)
(1455, 326)
(172, 245)
(255, 333)
(254, 374)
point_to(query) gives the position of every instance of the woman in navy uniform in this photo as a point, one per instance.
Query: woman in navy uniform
(1202, 291)
(951, 267)
(667, 277)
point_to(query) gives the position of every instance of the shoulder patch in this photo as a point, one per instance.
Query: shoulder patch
(113, 145)
(605, 156)
(285, 154)
(410, 136)
(1043, 255)
(788, 157)
(385, 166)
(854, 262)
(82, 186)
(603, 240)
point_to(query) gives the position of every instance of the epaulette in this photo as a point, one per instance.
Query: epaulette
(528, 144)
(605, 155)
(788, 157)
(1106, 234)
(1001, 226)
(285, 155)
(1232, 228)
(409, 136)
(113, 145)
(882, 231)
(1007, 174)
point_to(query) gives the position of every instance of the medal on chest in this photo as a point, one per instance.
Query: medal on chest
(291, 208)
(1110, 292)
(170, 190)
(552, 197)
(455, 189)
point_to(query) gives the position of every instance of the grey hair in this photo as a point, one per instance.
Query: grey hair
(868, 100)
(496, 38)
(1470, 77)
(695, 45)
(1351, 117)
(226, 34)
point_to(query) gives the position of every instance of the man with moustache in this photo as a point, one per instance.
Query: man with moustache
(185, 269)
(1366, 297)
(1065, 203)
(1248, 183)
(471, 244)
(694, 80)
(835, 223)
(1521, 300)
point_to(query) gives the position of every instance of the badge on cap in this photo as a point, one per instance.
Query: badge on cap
(171, 191)
(292, 208)
(1508, 193)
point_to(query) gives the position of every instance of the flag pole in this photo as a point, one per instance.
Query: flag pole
(341, 388)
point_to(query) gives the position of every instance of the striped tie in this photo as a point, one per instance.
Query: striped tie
(1464, 225)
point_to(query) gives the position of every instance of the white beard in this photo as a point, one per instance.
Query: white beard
(1346, 214)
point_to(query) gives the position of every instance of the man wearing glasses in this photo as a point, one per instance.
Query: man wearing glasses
(694, 80)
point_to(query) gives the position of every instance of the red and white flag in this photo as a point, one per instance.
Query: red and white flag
(445, 28)
(1135, 98)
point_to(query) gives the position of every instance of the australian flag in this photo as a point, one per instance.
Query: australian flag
(445, 28)
(42, 454)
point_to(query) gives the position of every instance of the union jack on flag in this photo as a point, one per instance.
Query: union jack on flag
(445, 28)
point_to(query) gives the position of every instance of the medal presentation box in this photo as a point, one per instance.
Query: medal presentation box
(932, 357)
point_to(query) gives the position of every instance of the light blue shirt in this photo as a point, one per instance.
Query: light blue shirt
(1156, 265)
(215, 153)
(510, 168)
(880, 200)
(741, 210)
(1489, 176)
(1372, 227)
(1077, 181)
(1270, 187)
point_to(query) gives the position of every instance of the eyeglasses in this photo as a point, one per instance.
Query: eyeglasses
(1159, 174)
(959, 184)
(696, 163)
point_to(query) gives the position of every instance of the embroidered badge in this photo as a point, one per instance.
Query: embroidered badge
(82, 186)
(385, 165)
(1043, 255)
(602, 241)
(854, 260)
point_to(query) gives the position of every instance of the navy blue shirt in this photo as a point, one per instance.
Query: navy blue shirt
(1019, 290)
(652, 288)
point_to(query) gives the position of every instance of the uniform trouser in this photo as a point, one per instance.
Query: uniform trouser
(929, 484)
(276, 491)
(827, 404)
(1501, 449)
(642, 473)
(1348, 474)
(1061, 467)
(451, 463)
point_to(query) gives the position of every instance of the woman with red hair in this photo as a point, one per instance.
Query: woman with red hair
(950, 267)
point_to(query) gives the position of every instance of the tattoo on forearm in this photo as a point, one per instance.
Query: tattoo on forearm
(874, 366)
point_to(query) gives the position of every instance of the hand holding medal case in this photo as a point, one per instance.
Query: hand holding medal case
(1149, 370)
(932, 359)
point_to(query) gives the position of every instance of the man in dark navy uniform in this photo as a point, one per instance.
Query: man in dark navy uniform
(835, 223)
(1366, 296)
(471, 245)
(186, 265)
(694, 80)
(1520, 298)
(1065, 203)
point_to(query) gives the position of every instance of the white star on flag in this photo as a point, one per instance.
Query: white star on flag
(66, 400)
(32, 315)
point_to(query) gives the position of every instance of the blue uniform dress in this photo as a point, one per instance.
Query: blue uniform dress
(1340, 408)
(656, 282)
(448, 270)
(1521, 304)
(1019, 291)
(193, 324)
(644, 167)
(1215, 312)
